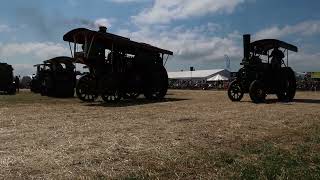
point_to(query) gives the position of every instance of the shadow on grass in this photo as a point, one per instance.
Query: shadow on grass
(274, 101)
(135, 102)
(6, 94)
(307, 101)
(61, 97)
(268, 101)
(170, 94)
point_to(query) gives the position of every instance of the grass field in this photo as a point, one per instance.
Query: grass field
(190, 135)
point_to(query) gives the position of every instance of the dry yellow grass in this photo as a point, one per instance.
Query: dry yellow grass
(190, 135)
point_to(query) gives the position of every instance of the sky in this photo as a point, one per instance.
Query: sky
(199, 32)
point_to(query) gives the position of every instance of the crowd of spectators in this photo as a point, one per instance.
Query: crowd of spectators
(306, 84)
(188, 84)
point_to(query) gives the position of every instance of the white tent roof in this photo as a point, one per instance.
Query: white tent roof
(193, 74)
(300, 73)
(218, 77)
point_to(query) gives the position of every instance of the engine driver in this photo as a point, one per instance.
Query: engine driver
(277, 56)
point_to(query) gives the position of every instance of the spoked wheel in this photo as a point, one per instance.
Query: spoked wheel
(85, 89)
(134, 84)
(131, 95)
(235, 91)
(156, 86)
(257, 92)
(111, 96)
(287, 89)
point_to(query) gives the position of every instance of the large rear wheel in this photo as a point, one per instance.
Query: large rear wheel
(133, 86)
(85, 89)
(257, 92)
(131, 94)
(156, 85)
(287, 89)
(111, 96)
(235, 91)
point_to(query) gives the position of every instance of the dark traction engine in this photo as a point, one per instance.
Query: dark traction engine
(118, 67)
(262, 77)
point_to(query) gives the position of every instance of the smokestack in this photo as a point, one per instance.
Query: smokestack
(246, 46)
(102, 29)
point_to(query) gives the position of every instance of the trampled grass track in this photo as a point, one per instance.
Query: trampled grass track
(190, 135)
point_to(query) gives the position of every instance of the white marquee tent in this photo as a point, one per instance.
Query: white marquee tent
(218, 77)
(201, 75)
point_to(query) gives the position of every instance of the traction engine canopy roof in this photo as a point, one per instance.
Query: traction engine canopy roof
(264, 45)
(81, 35)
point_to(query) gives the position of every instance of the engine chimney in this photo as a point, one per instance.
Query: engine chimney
(102, 29)
(246, 47)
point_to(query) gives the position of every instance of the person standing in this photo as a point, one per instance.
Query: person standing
(17, 83)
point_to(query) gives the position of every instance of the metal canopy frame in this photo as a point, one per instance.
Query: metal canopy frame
(109, 40)
(263, 47)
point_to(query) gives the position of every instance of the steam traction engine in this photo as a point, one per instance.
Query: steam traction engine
(55, 77)
(7, 79)
(118, 67)
(261, 75)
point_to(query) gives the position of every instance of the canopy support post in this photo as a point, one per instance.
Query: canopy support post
(287, 58)
(71, 50)
(75, 45)
(85, 49)
(112, 56)
(90, 46)
(166, 60)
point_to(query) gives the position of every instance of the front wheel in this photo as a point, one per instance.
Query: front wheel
(85, 89)
(235, 91)
(257, 92)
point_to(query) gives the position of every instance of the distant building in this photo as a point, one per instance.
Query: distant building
(198, 79)
(201, 76)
